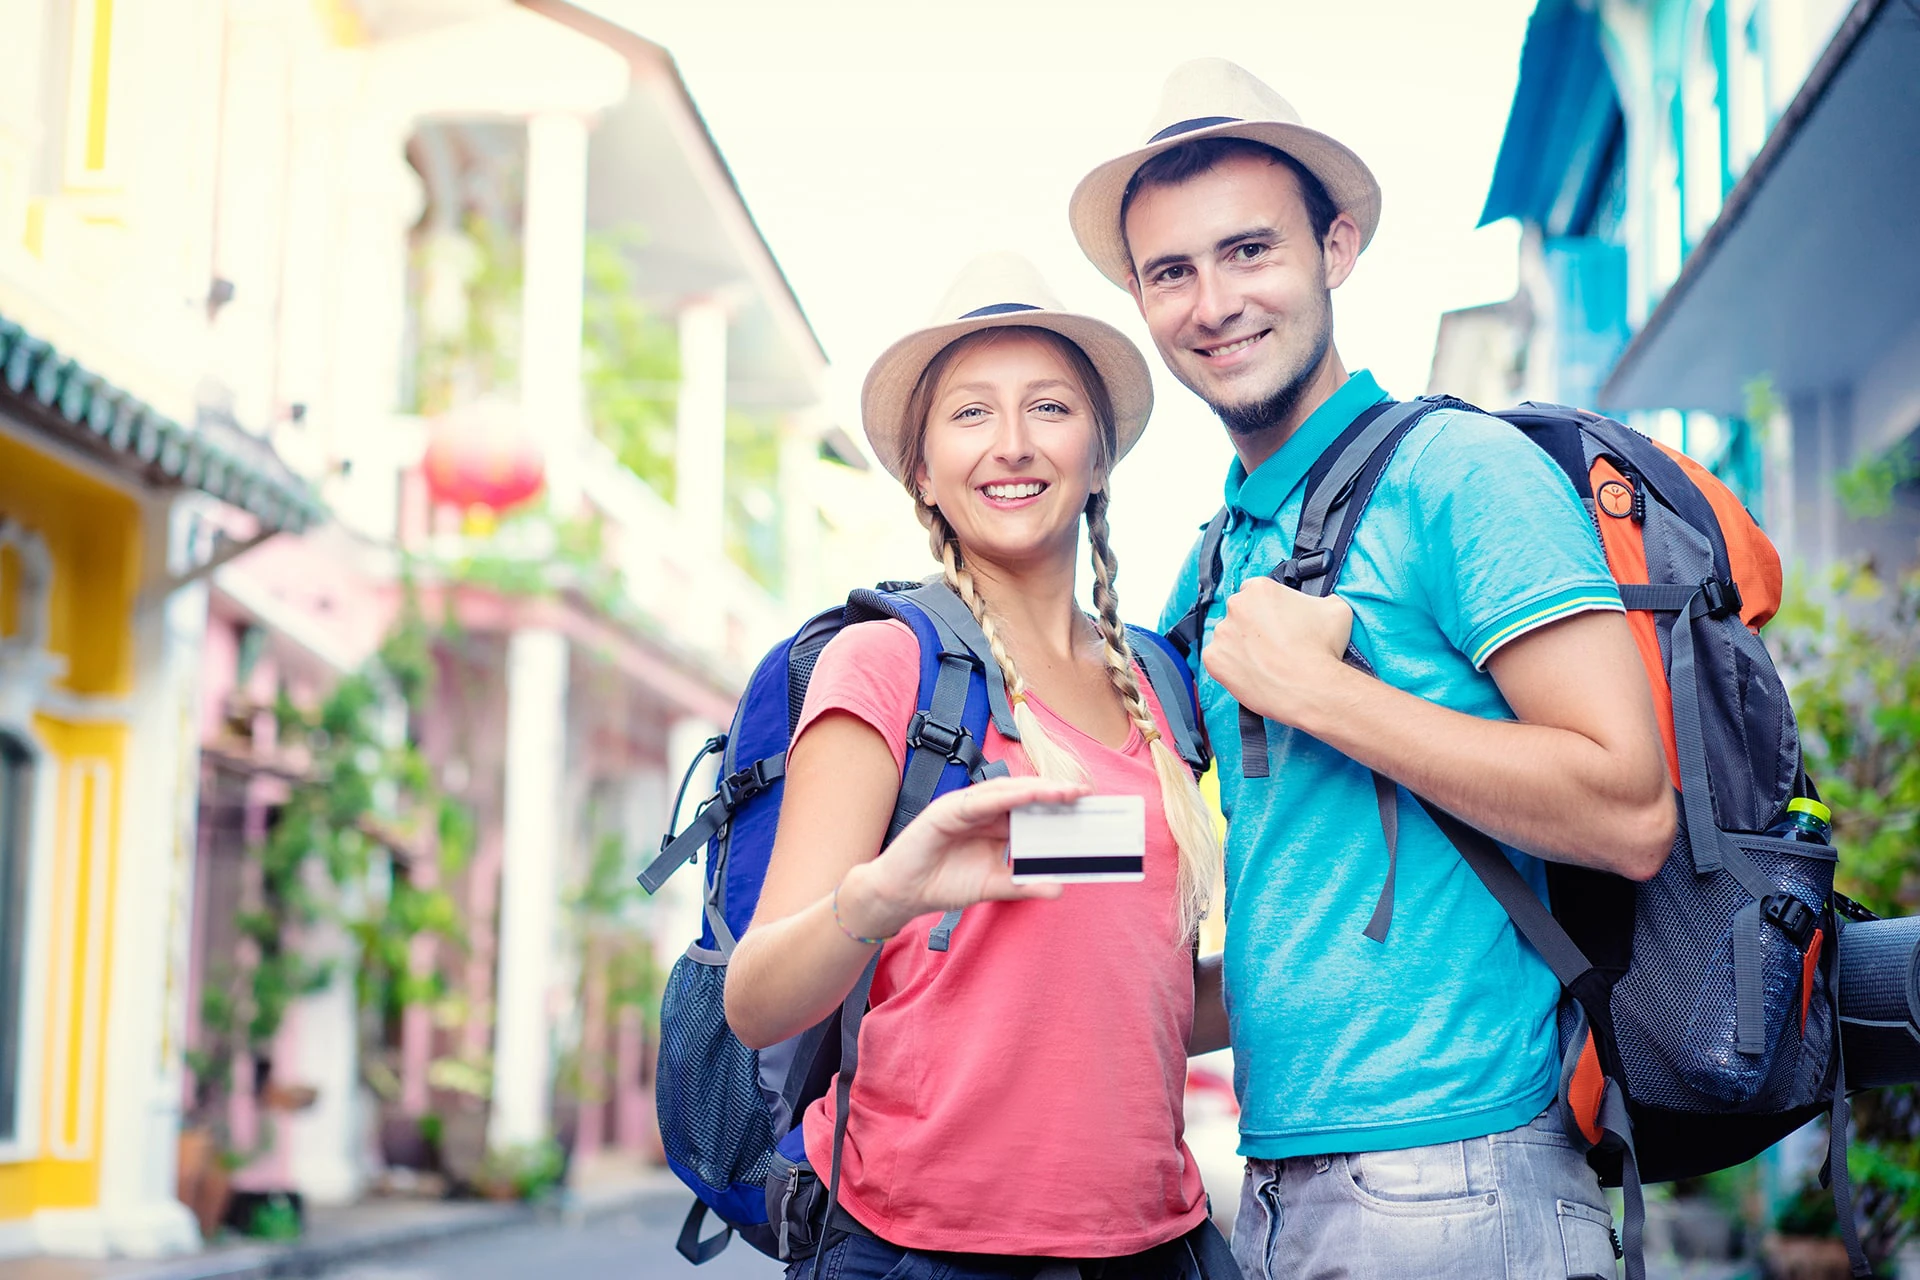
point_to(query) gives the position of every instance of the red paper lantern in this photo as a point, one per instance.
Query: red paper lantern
(481, 455)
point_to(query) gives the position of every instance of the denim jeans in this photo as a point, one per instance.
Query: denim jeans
(1519, 1205)
(866, 1258)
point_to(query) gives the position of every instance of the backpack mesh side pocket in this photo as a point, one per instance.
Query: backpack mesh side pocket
(1675, 1012)
(713, 1120)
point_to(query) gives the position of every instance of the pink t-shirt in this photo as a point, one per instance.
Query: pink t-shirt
(1020, 1093)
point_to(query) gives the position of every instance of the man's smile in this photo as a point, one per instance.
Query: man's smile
(1225, 351)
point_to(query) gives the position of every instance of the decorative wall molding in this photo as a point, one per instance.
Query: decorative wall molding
(26, 668)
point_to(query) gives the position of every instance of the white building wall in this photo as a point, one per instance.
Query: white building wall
(529, 888)
(152, 914)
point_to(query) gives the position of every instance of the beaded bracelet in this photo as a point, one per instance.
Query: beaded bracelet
(865, 942)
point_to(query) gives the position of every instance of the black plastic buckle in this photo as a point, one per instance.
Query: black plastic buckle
(924, 731)
(1299, 569)
(1722, 598)
(743, 785)
(1791, 916)
(1852, 910)
(1181, 635)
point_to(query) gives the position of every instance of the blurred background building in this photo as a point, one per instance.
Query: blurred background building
(407, 440)
(1717, 199)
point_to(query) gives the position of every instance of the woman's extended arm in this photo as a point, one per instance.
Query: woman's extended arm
(795, 964)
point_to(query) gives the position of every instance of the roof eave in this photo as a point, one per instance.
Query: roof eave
(1812, 90)
(645, 52)
(60, 396)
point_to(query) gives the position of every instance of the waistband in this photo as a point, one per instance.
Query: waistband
(797, 1208)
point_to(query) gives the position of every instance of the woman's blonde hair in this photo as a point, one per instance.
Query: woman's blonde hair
(1187, 814)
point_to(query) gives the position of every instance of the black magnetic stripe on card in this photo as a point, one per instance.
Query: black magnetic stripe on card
(1096, 865)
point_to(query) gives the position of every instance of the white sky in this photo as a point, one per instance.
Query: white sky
(882, 143)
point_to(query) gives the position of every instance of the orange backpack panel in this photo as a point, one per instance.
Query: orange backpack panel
(1755, 563)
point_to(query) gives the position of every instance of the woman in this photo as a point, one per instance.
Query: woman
(1018, 1097)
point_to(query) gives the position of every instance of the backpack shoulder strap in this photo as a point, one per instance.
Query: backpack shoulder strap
(1589, 989)
(1173, 685)
(959, 631)
(956, 702)
(961, 691)
(1339, 486)
(1186, 634)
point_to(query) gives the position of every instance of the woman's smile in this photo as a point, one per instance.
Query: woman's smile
(1012, 495)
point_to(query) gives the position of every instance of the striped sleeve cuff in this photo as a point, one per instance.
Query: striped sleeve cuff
(1537, 613)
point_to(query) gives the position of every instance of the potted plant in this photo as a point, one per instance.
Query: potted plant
(461, 1090)
(1805, 1241)
(206, 1160)
(525, 1171)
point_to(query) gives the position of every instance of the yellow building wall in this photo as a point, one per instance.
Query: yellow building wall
(92, 533)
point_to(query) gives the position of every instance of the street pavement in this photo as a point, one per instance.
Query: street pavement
(630, 1244)
(636, 1242)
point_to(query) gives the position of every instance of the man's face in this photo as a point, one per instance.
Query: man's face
(1234, 287)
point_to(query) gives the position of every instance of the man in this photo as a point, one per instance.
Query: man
(1396, 1087)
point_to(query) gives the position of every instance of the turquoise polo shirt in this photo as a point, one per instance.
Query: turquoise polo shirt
(1446, 1030)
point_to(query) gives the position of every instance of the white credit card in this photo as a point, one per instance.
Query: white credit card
(1094, 838)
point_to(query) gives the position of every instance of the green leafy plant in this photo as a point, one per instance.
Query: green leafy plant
(1867, 489)
(753, 533)
(365, 788)
(630, 361)
(1853, 653)
(525, 1171)
(476, 351)
(599, 909)
(531, 553)
(631, 374)
(274, 1218)
(1807, 1212)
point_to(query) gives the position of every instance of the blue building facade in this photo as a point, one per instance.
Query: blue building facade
(1719, 201)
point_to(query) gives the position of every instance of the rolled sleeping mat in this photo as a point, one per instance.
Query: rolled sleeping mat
(1880, 1001)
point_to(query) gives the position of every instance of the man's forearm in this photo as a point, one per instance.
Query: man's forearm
(1552, 792)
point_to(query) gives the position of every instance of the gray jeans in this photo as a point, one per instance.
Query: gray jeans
(1520, 1205)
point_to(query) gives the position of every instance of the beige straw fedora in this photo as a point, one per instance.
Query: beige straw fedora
(999, 290)
(1213, 98)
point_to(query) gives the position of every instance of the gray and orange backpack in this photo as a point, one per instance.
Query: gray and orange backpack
(1698, 1021)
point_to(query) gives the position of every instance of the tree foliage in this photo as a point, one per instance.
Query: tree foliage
(1853, 657)
(366, 787)
(1853, 654)
(631, 374)
(630, 363)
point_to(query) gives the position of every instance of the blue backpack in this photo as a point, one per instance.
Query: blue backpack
(729, 1116)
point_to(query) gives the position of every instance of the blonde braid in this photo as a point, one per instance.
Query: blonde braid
(1048, 758)
(1187, 814)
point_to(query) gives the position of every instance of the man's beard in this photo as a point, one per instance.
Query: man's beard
(1252, 419)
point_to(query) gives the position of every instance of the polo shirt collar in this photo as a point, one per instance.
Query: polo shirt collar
(1262, 494)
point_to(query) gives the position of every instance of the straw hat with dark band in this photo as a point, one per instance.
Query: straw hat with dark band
(1213, 98)
(997, 291)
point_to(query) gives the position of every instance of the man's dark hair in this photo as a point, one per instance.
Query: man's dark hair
(1189, 160)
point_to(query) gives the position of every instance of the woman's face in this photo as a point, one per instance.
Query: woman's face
(1010, 452)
